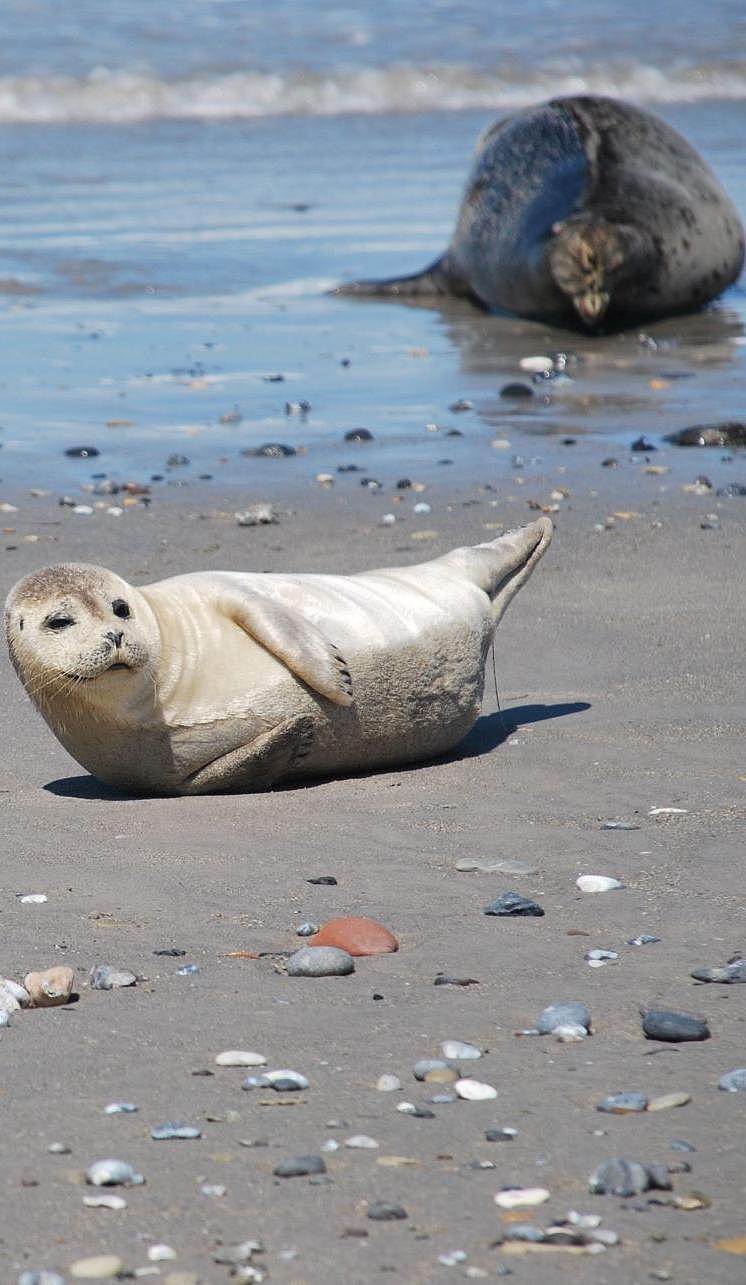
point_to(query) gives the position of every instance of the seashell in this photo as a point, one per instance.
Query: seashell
(49, 987)
(105, 978)
(521, 1197)
(112, 1173)
(597, 883)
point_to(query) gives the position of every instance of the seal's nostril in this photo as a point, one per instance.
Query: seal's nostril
(116, 636)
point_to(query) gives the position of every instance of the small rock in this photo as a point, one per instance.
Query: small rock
(307, 930)
(512, 903)
(665, 1024)
(240, 1057)
(536, 365)
(297, 408)
(42, 1277)
(271, 451)
(299, 1167)
(680, 1144)
(619, 1178)
(101, 1267)
(324, 881)
(59, 1149)
(361, 1141)
(734, 971)
(597, 956)
(426, 1065)
(460, 1051)
(502, 865)
(357, 935)
(187, 970)
(567, 1013)
(381, 1211)
(474, 1090)
(257, 515)
(50, 987)
(105, 1202)
(161, 1253)
(516, 391)
(320, 961)
(666, 1100)
(104, 978)
(645, 939)
(33, 898)
(499, 1135)
(82, 452)
(597, 883)
(725, 434)
(358, 435)
(113, 1173)
(619, 825)
(213, 1189)
(388, 1083)
(173, 1130)
(285, 1081)
(733, 1081)
(121, 1108)
(623, 1103)
(521, 1197)
(642, 446)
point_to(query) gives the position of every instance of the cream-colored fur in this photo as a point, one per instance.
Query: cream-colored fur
(231, 681)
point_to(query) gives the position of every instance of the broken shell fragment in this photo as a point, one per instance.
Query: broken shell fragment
(49, 987)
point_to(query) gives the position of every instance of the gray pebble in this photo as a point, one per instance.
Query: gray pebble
(512, 903)
(307, 930)
(320, 961)
(381, 1211)
(187, 970)
(299, 1167)
(105, 978)
(623, 1103)
(735, 971)
(427, 1064)
(120, 1108)
(667, 1025)
(733, 1081)
(567, 1013)
(504, 866)
(41, 1278)
(525, 1232)
(59, 1149)
(619, 1178)
(164, 1132)
(645, 939)
(619, 825)
(680, 1144)
(499, 1135)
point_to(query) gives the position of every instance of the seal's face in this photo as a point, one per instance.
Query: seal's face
(589, 258)
(79, 631)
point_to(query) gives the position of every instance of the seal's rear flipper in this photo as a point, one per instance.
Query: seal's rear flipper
(434, 282)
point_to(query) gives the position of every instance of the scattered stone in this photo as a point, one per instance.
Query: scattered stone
(271, 451)
(59, 1149)
(234, 1255)
(426, 1065)
(521, 1197)
(474, 1090)
(566, 1014)
(187, 970)
(213, 1189)
(104, 978)
(306, 930)
(172, 1130)
(50, 987)
(597, 957)
(512, 903)
(297, 408)
(619, 1178)
(454, 1258)
(362, 1142)
(680, 1144)
(161, 1254)
(445, 979)
(516, 391)
(619, 825)
(105, 1202)
(500, 1135)
(324, 881)
(733, 1081)
(121, 1108)
(240, 1057)
(284, 1081)
(42, 1277)
(32, 898)
(504, 866)
(300, 1167)
(642, 446)
(665, 1101)
(645, 939)
(101, 1267)
(387, 1083)
(381, 1211)
(171, 952)
(659, 812)
(665, 1024)
(460, 1051)
(731, 490)
(733, 971)
(358, 936)
(597, 883)
(623, 1103)
(320, 961)
(257, 515)
(461, 404)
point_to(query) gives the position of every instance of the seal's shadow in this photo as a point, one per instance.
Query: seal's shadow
(488, 732)
(492, 730)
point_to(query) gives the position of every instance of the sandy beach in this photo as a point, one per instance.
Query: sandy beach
(619, 669)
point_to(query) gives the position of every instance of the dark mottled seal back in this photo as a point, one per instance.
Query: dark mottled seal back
(584, 208)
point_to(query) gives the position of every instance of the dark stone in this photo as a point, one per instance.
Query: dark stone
(443, 979)
(383, 1212)
(498, 1135)
(642, 446)
(512, 903)
(359, 435)
(734, 971)
(271, 451)
(619, 1177)
(665, 1024)
(82, 452)
(177, 461)
(299, 1167)
(325, 880)
(516, 390)
(172, 952)
(733, 489)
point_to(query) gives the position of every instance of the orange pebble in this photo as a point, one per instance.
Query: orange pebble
(356, 935)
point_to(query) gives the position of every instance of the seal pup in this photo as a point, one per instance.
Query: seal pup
(587, 210)
(222, 680)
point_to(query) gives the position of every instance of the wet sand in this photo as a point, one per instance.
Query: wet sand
(620, 673)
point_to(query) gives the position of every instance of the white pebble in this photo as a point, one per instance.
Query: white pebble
(657, 812)
(331, 1144)
(295, 1077)
(33, 899)
(388, 519)
(105, 1202)
(83, 510)
(214, 1189)
(570, 1033)
(240, 1057)
(452, 1259)
(459, 1050)
(597, 883)
(114, 511)
(521, 1197)
(362, 1141)
(500, 443)
(161, 1253)
(112, 1173)
(406, 1107)
(474, 1090)
(388, 1083)
(422, 507)
(536, 365)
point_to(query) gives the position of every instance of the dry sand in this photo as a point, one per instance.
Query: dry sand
(620, 671)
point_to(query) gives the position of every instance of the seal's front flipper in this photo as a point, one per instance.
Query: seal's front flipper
(293, 639)
(257, 766)
(435, 281)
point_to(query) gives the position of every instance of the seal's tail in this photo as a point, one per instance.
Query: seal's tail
(431, 283)
(501, 567)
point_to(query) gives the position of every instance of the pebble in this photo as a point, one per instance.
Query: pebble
(733, 1081)
(734, 971)
(213, 1189)
(521, 1197)
(105, 1202)
(105, 978)
(233, 1255)
(387, 1083)
(361, 1141)
(358, 936)
(619, 825)
(358, 435)
(9, 1002)
(659, 812)
(462, 404)
(324, 881)
(240, 1057)
(421, 507)
(82, 452)
(568, 1013)
(381, 1211)
(598, 957)
(187, 970)
(503, 866)
(33, 899)
(306, 930)
(41, 1278)
(50, 987)
(59, 1149)
(623, 1103)
(285, 1081)
(516, 391)
(299, 1167)
(536, 365)
(257, 515)
(425, 1065)
(161, 1254)
(459, 1050)
(474, 1090)
(101, 1267)
(512, 903)
(645, 939)
(664, 1101)
(597, 883)
(680, 1144)
(453, 1258)
(171, 1129)
(499, 1135)
(320, 961)
(665, 1024)
(120, 1108)
(619, 1178)
(271, 451)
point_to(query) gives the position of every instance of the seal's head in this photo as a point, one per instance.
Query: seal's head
(590, 257)
(81, 633)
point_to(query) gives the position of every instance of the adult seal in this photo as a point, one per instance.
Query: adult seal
(585, 210)
(229, 681)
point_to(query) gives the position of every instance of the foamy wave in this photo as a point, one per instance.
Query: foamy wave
(123, 97)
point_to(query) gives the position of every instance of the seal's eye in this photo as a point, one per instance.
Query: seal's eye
(120, 608)
(59, 622)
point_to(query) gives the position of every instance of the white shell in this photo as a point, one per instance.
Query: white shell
(112, 1173)
(240, 1057)
(597, 883)
(521, 1197)
(474, 1090)
(388, 1083)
